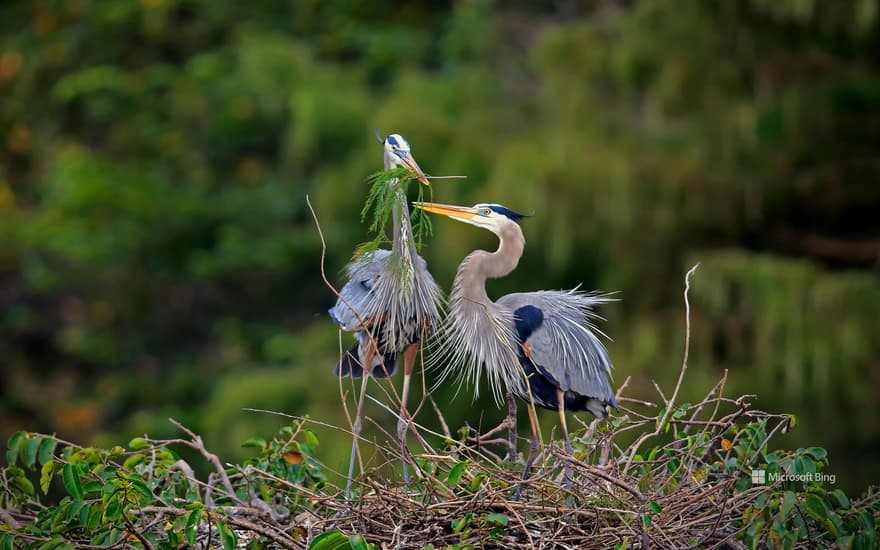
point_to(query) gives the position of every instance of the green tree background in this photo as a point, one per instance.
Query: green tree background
(157, 257)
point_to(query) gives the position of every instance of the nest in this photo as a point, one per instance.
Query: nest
(677, 494)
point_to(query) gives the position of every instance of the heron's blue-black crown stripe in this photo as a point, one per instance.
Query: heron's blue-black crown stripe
(504, 211)
(398, 140)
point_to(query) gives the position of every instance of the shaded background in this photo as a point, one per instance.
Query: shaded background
(157, 257)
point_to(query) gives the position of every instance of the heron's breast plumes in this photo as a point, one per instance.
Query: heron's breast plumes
(476, 334)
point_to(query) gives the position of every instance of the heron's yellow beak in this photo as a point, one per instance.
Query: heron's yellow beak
(411, 163)
(455, 212)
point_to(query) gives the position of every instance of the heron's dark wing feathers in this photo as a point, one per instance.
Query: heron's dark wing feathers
(351, 364)
(563, 344)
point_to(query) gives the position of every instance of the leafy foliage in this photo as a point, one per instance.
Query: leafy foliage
(384, 197)
(147, 495)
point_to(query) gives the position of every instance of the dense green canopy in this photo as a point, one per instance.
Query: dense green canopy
(157, 257)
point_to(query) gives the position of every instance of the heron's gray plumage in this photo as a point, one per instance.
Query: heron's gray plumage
(565, 345)
(362, 273)
(391, 291)
(563, 349)
(390, 302)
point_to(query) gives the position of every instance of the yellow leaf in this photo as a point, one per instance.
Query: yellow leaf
(725, 444)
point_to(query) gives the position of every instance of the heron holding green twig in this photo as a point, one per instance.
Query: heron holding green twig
(390, 302)
(539, 346)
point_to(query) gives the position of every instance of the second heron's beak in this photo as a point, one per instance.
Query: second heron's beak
(408, 161)
(463, 213)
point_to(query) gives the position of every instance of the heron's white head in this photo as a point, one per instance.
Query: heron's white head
(397, 153)
(493, 217)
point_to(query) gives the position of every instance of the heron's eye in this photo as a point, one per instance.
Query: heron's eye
(487, 211)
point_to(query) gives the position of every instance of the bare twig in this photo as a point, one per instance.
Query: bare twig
(197, 444)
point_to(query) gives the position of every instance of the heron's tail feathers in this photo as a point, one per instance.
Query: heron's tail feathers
(597, 407)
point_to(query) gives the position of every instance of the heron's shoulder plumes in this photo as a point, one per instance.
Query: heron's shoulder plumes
(567, 343)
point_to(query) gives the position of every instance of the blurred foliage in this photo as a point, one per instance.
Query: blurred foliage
(157, 257)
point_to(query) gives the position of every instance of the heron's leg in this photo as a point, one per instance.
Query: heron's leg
(533, 450)
(358, 424)
(511, 427)
(409, 361)
(560, 396)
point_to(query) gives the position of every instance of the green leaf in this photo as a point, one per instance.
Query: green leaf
(74, 511)
(71, 481)
(454, 477)
(654, 507)
(24, 485)
(227, 537)
(788, 502)
(113, 511)
(816, 508)
(192, 526)
(47, 472)
(95, 515)
(817, 452)
(47, 451)
(29, 451)
(255, 442)
(141, 487)
(459, 524)
(311, 438)
(646, 521)
(358, 542)
(477, 481)
(13, 445)
(51, 544)
(133, 461)
(138, 443)
(330, 540)
(841, 498)
(497, 520)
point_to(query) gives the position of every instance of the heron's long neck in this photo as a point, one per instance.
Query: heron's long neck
(403, 242)
(470, 281)
(479, 332)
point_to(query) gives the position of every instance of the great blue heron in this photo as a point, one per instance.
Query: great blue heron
(546, 338)
(390, 302)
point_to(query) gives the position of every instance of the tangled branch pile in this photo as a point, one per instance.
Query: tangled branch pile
(685, 482)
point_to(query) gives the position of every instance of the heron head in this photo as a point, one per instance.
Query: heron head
(493, 217)
(397, 153)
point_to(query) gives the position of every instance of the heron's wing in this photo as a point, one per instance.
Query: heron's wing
(357, 294)
(563, 345)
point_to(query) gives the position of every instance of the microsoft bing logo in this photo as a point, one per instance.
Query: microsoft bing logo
(761, 477)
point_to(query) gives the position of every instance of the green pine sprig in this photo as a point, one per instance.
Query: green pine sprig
(380, 204)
